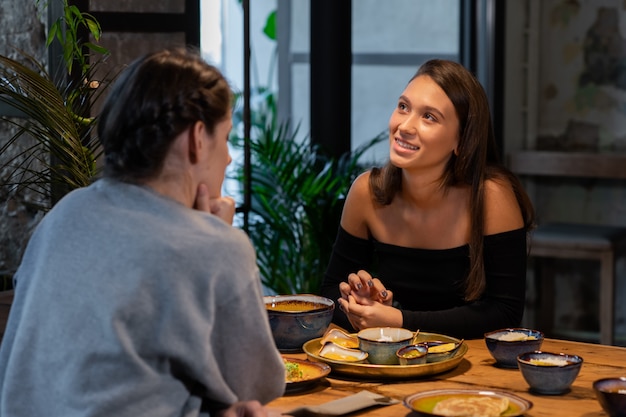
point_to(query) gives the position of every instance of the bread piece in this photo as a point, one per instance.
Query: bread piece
(472, 406)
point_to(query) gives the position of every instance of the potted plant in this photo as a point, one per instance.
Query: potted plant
(297, 195)
(56, 113)
(52, 149)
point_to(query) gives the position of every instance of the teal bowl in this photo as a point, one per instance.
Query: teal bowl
(295, 319)
(382, 343)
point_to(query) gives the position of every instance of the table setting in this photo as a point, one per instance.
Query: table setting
(388, 372)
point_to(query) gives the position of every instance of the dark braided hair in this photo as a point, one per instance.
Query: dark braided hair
(154, 100)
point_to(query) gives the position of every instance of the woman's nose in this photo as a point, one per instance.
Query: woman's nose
(407, 125)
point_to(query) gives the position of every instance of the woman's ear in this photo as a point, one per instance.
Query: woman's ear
(195, 140)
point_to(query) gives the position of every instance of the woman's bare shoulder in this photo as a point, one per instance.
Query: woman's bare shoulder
(502, 210)
(357, 207)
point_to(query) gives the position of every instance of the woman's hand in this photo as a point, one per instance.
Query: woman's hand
(244, 409)
(367, 303)
(367, 313)
(222, 207)
(363, 287)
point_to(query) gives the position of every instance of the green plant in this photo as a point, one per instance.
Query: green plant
(296, 192)
(297, 196)
(56, 149)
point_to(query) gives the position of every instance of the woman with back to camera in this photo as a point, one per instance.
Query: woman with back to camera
(136, 296)
(435, 240)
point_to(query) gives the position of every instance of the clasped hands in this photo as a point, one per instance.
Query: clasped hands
(367, 303)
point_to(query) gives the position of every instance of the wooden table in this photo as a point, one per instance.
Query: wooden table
(477, 370)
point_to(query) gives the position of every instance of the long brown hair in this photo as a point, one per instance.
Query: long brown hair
(477, 160)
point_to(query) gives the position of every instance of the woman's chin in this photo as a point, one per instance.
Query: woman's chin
(401, 160)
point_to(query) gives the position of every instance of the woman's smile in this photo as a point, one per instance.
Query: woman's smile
(406, 145)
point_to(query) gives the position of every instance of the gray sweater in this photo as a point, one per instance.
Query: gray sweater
(130, 304)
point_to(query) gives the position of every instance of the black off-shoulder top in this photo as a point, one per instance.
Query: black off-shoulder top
(428, 284)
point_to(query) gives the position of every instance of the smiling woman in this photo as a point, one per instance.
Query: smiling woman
(436, 239)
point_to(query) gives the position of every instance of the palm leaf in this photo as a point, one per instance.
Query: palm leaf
(296, 201)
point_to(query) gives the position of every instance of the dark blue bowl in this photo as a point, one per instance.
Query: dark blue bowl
(549, 373)
(611, 394)
(505, 345)
(296, 319)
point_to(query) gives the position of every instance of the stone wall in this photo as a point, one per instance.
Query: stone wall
(23, 28)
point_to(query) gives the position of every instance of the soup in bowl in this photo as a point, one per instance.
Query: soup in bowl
(295, 319)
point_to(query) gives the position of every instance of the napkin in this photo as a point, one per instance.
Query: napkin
(359, 401)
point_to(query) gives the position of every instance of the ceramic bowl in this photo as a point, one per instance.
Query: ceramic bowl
(549, 373)
(298, 318)
(611, 394)
(412, 354)
(382, 343)
(506, 344)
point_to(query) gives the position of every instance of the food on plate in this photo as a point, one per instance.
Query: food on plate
(472, 406)
(442, 348)
(293, 373)
(412, 354)
(338, 356)
(338, 353)
(515, 337)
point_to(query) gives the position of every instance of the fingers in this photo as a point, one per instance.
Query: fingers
(251, 408)
(363, 285)
(202, 199)
(362, 279)
(380, 293)
(351, 308)
(345, 289)
(223, 207)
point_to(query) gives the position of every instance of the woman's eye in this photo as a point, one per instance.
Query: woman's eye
(429, 116)
(402, 106)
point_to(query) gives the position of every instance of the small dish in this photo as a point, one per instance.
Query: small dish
(302, 374)
(412, 354)
(611, 394)
(332, 351)
(341, 338)
(549, 373)
(439, 350)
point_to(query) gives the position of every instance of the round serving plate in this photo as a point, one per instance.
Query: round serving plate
(368, 370)
(312, 373)
(423, 403)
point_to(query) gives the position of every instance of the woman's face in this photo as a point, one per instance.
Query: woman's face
(424, 127)
(218, 158)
